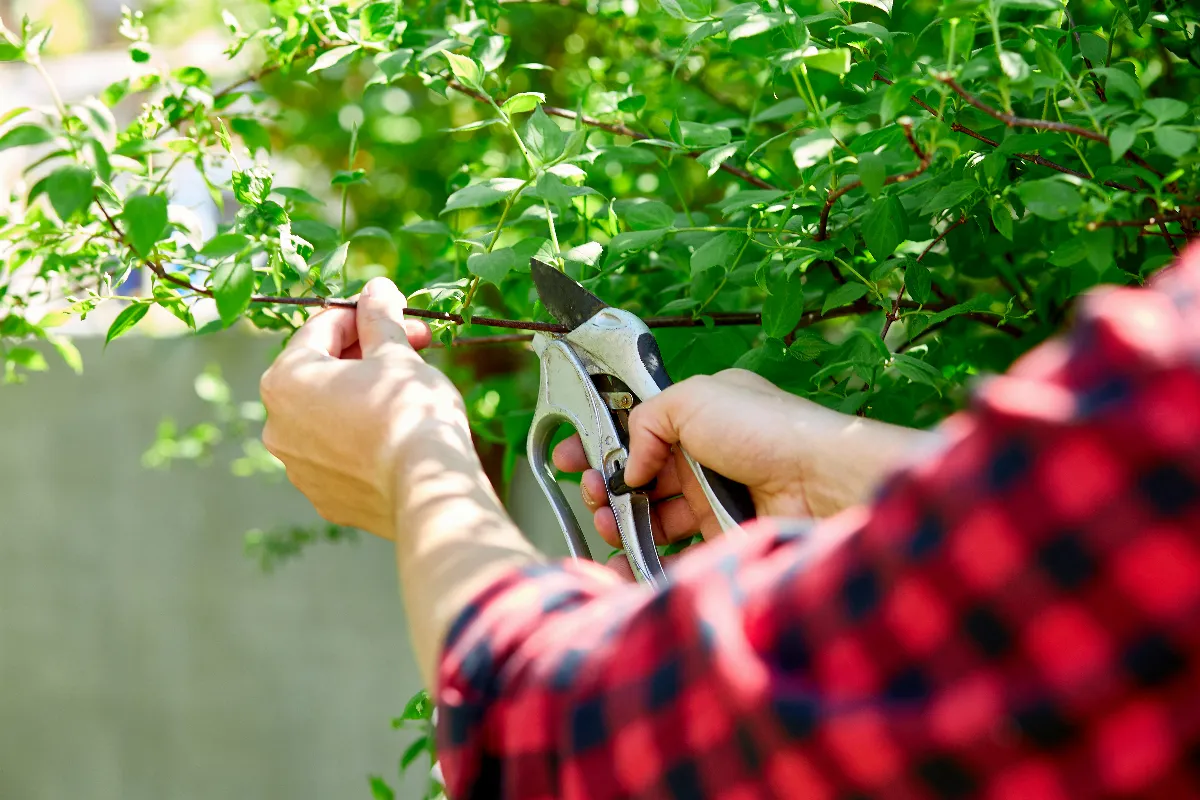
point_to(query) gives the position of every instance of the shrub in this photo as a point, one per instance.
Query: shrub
(867, 203)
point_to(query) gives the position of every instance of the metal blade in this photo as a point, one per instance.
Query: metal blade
(566, 300)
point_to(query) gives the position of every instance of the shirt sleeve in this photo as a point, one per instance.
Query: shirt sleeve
(1013, 617)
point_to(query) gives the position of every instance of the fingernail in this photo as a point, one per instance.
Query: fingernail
(379, 287)
(587, 496)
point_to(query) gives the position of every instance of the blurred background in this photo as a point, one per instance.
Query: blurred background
(149, 648)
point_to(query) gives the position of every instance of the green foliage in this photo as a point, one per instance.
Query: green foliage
(910, 194)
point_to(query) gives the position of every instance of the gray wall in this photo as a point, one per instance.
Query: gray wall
(142, 656)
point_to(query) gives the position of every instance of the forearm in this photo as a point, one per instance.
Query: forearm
(453, 539)
(852, 455)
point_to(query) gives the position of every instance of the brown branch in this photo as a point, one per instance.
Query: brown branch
(617, 129)
(1087, 62)
(924, 158)
(894, 314)
(1013, 121)
(1032, 158)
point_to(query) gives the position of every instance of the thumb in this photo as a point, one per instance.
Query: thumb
(380, 317)
(653, 428)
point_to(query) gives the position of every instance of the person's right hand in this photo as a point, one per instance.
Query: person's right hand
(797, 457)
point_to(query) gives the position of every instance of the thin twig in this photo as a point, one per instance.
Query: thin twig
(924, 158)
(1087, 62)
(1032, 158)
(617, 129)
(894, 314)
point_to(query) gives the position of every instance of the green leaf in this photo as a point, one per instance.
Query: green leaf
(644, 215)
(1166, 109)
(129, 316)
(418, 707)
(1050, 198)
(883, 5)
(812, 148)
(525, 101)
(1069, 252)
(884, 227)
(950, 196)
(844, 295)
(468, 71)
(28, 358)
(712, 159)
(24, 135)
(632, 241)
(394, 63)
(699, 135)
(380, 790)
(483, 194)
(333, 57)
(719, 251)
(916, 370)
(377, 20)
(1035, 5)
(836, 62)
(493, 267)
(588, 253)
(1118, 80)
(1100, 248)
(232, 285)
(428, 227)
(1175, 142)
(336, 262)
(69, 353)
(872, 172)
(1002, 218)
(870, 30)
(896, 100)
(918, 281)
(979, 302)
(783, 307)
(144, 221)
(807, 345)
(687, 9)
(1014, 66)
(254, 134)
(739, 25)
(413, 752)
(543, 137)
(252, 186)
(348, 177)
(1121, 139)
(297, 195)
(782, 110)
(69, 189)
(551, 189)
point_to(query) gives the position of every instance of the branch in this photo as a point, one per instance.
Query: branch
(1184, 213)
(1014, 121)
(617, 129)
(894, 314)
(1087, 62)
(924, 158)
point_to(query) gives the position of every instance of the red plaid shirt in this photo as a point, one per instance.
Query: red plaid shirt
(1016, 617)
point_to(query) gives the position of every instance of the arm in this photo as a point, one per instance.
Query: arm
(1012, 617)
(378, 439)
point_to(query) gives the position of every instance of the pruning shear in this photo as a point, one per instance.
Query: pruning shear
(591, 378)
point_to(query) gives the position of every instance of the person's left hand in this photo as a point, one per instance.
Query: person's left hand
(353, 410)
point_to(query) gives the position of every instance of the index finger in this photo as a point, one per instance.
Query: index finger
(330, 332)
(569, 456)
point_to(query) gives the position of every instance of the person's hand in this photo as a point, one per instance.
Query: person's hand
(351, 407)
(796, 457)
